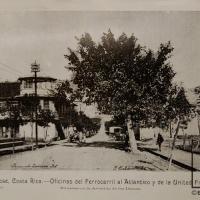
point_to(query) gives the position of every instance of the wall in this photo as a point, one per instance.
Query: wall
(44, 133)
(43, 88)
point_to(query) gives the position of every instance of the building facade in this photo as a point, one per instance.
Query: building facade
(18, 99)
(45, 86)
(8, 92)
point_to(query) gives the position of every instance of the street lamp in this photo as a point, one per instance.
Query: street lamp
(35, 68)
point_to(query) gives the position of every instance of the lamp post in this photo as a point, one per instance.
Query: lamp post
(35, 68)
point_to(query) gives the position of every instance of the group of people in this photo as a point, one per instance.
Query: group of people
(76, 136)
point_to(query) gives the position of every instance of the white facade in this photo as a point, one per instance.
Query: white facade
(43, 88)
(46, 134)
(47, 105)
(45, 85)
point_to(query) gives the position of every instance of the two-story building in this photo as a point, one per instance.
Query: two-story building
(45, 103)
(23, 90)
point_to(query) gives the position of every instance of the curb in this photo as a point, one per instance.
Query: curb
(180, 164)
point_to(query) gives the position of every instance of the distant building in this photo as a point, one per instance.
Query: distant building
(8, 91)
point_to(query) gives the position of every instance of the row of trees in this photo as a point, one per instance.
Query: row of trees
(65, 94)
(128, 81)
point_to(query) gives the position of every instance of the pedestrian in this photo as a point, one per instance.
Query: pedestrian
(80, 136)
(71, 133)
(126, 143)
(159, 141)
(84, 137)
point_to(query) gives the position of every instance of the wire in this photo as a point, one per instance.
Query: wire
(8, 71)
(7, 67)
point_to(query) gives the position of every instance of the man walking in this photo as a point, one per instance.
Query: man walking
(159, 141)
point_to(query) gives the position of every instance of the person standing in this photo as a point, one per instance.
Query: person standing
(126, 142)
(71, 133)
(159, 141)
(80, 135)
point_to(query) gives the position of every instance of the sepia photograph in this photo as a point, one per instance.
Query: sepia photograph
(100, 90)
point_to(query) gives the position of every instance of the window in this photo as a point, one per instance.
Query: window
(46, 104)
(3, 106)
(39, 85)
(28, 84)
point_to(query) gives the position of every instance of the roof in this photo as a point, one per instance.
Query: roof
(39, 78)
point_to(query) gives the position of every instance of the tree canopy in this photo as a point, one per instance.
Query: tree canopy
(176, 108)
(122, 76)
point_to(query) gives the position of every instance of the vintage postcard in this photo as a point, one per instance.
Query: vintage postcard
(99, 100)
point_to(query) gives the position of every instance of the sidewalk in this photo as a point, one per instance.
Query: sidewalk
(21, 148)
(178, 155)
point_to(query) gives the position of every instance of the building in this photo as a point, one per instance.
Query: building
(8, 92)
(20, 96)
(45, 86)
(45, 103)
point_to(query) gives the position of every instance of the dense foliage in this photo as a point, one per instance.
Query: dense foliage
(121, 76)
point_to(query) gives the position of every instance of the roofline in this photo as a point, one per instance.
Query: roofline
(38, 77)
(32, 96)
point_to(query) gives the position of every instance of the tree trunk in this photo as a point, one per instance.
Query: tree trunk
(170, 129)
(131, 134)
(198, 122)
(13, 139)
(136, 130)
(173, 144)
(59, 130)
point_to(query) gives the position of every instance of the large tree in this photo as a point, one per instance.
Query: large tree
(122, 77)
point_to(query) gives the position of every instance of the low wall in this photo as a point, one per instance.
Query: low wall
(27, 131)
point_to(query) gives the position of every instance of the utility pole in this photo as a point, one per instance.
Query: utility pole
(35, 68)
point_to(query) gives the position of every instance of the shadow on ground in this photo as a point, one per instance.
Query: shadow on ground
(110, 145)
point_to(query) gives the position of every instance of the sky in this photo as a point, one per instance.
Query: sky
(100, 5)
(44, 36)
